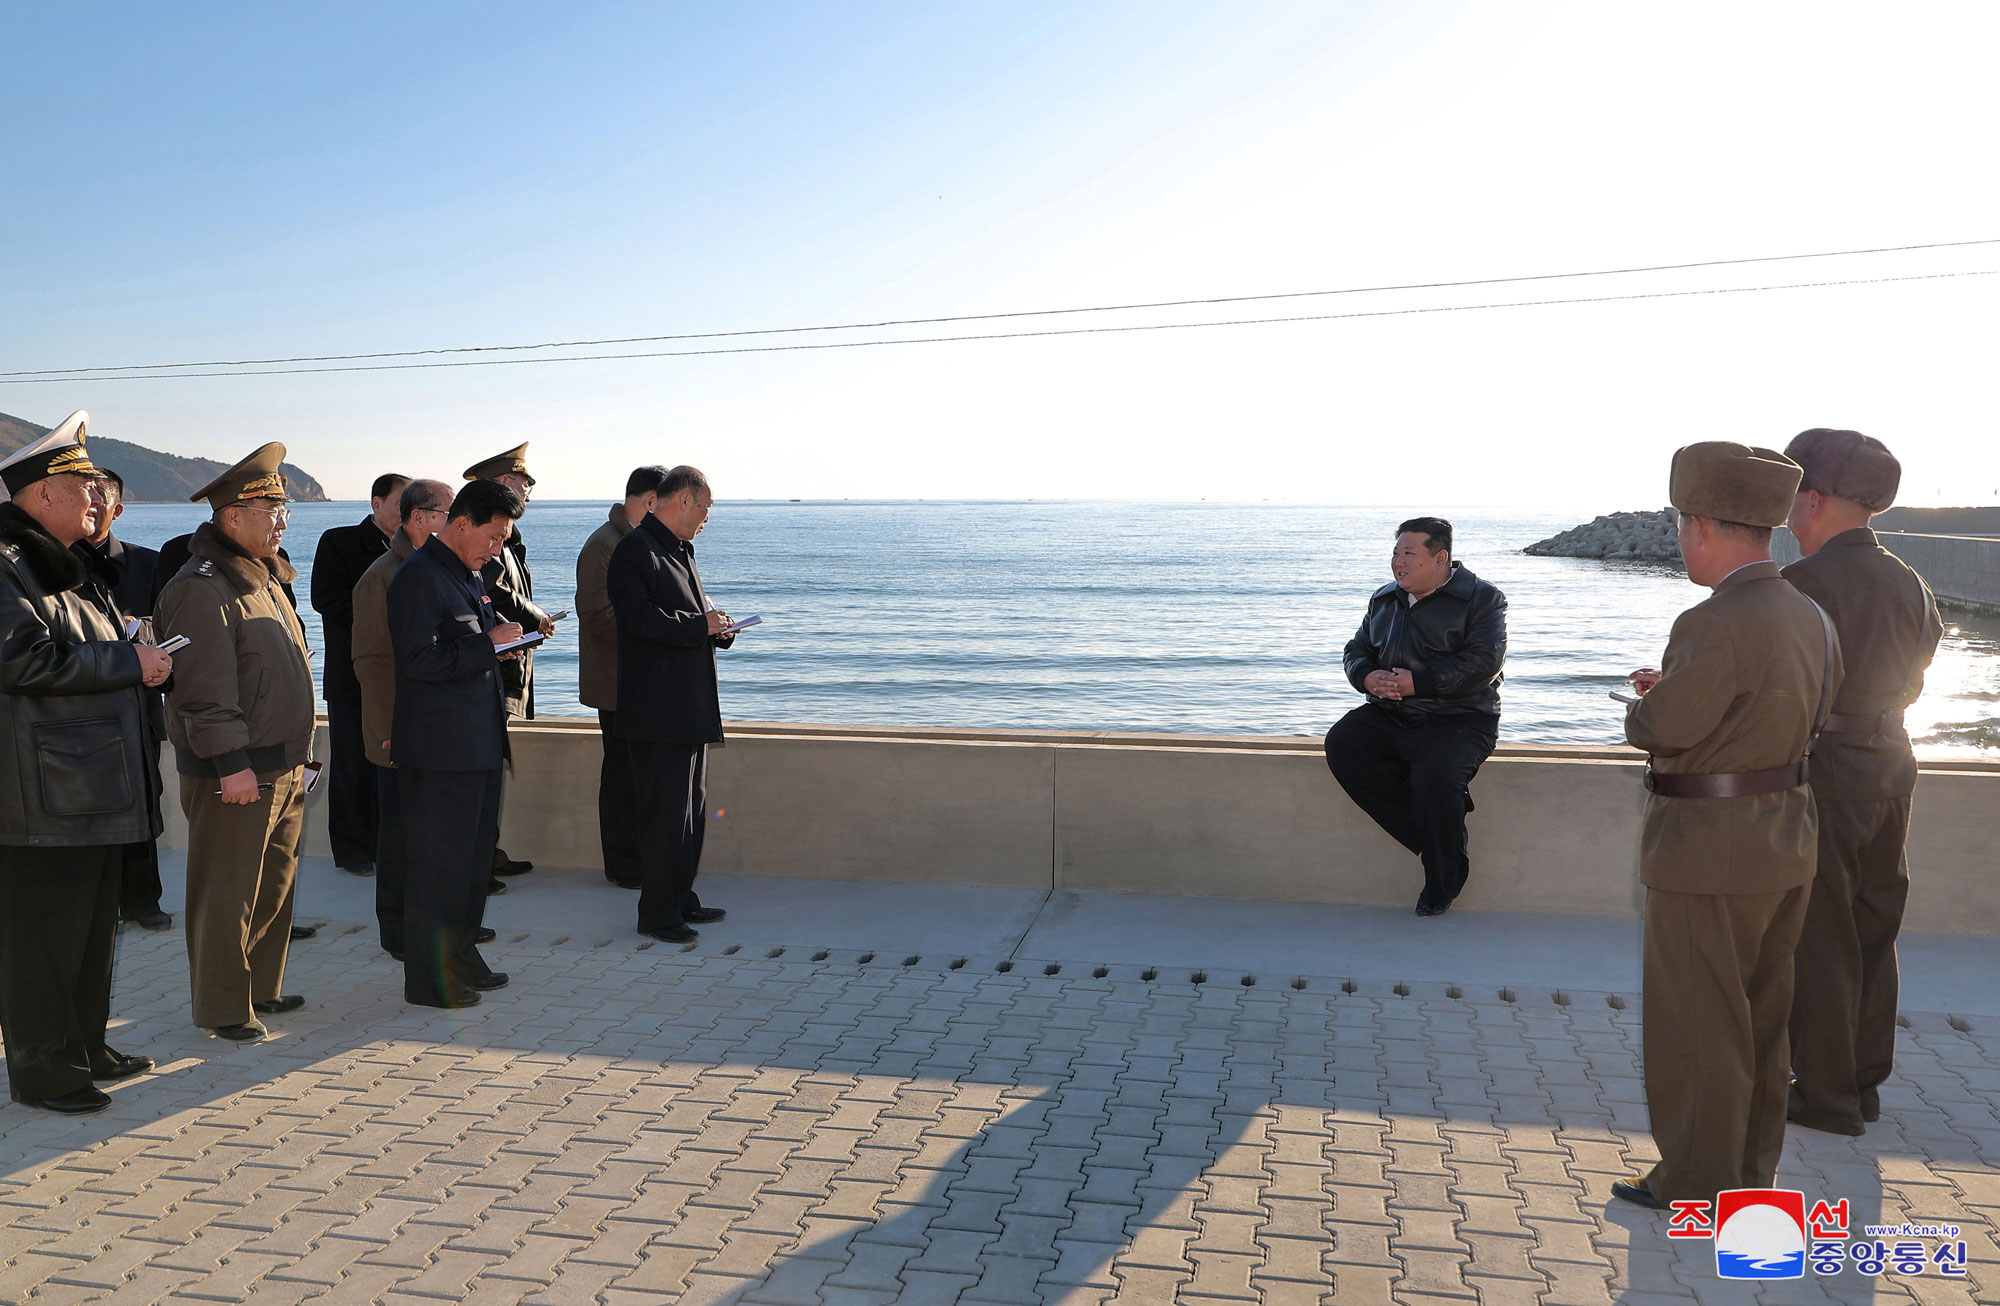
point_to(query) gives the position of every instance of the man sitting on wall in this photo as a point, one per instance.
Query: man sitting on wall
(1428, 655)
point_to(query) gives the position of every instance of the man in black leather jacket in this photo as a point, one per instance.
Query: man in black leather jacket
(1428, 655)
(74, 777)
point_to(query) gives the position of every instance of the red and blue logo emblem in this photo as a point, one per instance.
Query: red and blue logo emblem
(1760, 1233)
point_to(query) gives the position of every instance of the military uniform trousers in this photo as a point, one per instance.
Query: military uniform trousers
(672, 784)
(1844, 1003)
(58, 918)
(448, 860)
(350, 787)
(617, 807)
(242, 864)
(391, 859)
(1717, 996)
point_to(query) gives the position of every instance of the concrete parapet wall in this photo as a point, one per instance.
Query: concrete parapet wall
(1556, 829)
(1959, 569)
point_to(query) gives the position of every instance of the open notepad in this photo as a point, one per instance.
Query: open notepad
(744, 624)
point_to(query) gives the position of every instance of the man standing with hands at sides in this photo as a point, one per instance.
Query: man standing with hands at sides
(449, 741)
(1843, 1022)
(240, 716)
(344, 553)
(1727, 840)
(511, 586)
(70, 709)
(597, 679)
(129, 573)
(1428, 655)
(423, 506)
(668, 709)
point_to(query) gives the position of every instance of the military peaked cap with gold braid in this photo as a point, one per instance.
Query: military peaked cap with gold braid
(256, 477)
(1847, 465)
(515, 460)
(1726, 481)
(59, 453)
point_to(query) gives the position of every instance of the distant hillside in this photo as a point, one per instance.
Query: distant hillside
(151, 476)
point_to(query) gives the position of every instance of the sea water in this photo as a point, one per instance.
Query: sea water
(1176, 617)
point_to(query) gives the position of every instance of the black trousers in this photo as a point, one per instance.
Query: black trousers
(58, 919)
(391, 859)
(138, 879)
(448, 842)
(1412, 781)
(617, 807)
(672, 785)
(350, 787)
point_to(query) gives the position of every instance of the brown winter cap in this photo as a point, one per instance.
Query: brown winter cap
(1726, 481)
(1847, 465)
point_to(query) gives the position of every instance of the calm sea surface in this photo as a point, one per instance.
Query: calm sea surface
(1196, 618)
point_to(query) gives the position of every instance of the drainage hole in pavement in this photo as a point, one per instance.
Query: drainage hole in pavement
(1959, 1023)
(1349, 986)
(354, 929)
(821, 955)
(774, 953)
(732, 950)
(1248, 981)
(519, 938)
(865, 958)
(1614, 1002)
(601, 943)
(560, 938)
(1560, 998)
(1506, 995)
(1401, 990)
(1298, 981)
(642, 947)
(1100, 972)
(689, 947)
(1004, 967)
(1903, 1022)
(1199, 977)
(1052, 969)
(958, 964)
(1453, 992)
(1149, 974)
(912, 959)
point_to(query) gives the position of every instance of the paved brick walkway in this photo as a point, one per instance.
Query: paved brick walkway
(629, 1124)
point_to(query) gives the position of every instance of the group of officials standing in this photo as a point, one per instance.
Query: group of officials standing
(430, 621)
(1779, 774)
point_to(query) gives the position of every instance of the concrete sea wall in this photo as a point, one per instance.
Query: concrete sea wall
(1556, 829)
(1960, 569)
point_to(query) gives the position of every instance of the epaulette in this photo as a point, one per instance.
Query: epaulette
(204, 568)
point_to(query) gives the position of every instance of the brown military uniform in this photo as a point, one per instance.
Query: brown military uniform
(1843, 1021)
(242, 699)
(374, 656)
(1726, 880)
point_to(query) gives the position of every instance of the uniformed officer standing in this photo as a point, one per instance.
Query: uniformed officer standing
(73, 779)
(597, 676)
(1863, 775)
(512, 588)
(1727, 842)
(240, 715)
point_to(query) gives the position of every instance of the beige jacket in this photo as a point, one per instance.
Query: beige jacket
(1740, 684)
(374, 656)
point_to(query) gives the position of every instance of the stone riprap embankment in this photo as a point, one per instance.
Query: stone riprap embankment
(1619, 536)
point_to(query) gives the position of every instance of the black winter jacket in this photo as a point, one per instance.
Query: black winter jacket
(512, 588)
(666, 657)
(1452, 641)
(73, 769)
(449, 715)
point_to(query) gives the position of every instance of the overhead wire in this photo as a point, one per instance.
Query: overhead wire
(17, 379)
(1467, 283)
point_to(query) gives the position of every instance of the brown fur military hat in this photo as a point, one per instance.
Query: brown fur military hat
(1733, 482)
(256, 477)
(1847, 465)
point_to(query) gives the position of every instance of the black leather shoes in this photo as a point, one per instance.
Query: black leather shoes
(278, 1006)
(303, 932)
(497, 980)
(248, 1032)
(485, 935)
(80, 1103)
(703, 915)
(1433, 908)
(1636, 1193)
(466, 999)
(625, 884)
(360, 868)
(151, 919)
(512, 867)
(495, 886)
(673, 934)
(116, 1065)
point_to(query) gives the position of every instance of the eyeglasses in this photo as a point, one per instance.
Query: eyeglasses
(279, 512)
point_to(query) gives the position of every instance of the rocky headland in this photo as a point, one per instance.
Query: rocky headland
(1617, 537)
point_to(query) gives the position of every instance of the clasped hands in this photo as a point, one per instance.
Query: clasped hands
(1393, 684)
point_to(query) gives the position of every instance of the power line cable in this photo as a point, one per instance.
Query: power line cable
(992, 317)
(1019, 335)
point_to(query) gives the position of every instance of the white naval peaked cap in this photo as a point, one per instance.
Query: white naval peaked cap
(60, 451)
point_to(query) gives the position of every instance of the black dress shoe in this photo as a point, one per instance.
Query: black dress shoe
(152, 918)
(497, 980)
(512, 867)
(495, 886)
(1636, 1193)
(248, 1032)
(360, 868)
(673, 934)
(397, 953)
(453, 1003)
(626, 884)
(116, 1065)
(80, 1103)
(303, 932)
(1433, 908)
(485, 935)
(703, 915)
(278, 1006)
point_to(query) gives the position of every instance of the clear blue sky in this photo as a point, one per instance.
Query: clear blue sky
(195, 182)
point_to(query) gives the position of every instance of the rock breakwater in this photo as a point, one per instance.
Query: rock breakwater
(1618, 537)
